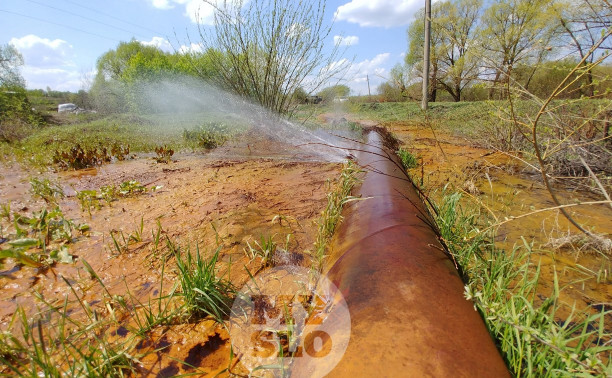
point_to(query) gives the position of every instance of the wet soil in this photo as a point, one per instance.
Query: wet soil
(204, 200)
(504, 187)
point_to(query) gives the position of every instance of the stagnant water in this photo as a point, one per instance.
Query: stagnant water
(502, 189)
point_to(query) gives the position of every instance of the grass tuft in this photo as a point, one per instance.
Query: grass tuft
(205, 293)
(409, 161)
(51, 192)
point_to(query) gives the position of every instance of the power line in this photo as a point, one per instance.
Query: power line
(113, 17)
(57, 24)
(83, 17)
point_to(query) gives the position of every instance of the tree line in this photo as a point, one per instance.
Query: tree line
(478, 48)
(266, 51)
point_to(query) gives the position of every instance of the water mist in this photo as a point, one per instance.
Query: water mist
(188, 100)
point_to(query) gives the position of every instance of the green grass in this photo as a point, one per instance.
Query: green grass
(204, 292)
(140, 133)
(208, 135)
(475, 120)
(409, 161)
(264, 249)
(331, 216)
(71, 347)
(70, 337)
(504, 287)
(51, 192)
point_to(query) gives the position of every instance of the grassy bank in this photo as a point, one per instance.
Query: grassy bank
(504, 288)
(538, 330)
(467, 117)
(140, 133)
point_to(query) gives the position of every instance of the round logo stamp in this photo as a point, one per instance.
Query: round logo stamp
(290, 317)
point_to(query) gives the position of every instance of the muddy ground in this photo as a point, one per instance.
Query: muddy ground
(504, 187)
(201, 200)
(231, 196)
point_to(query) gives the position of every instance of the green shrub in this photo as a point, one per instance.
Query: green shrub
(209, 135)
(204, 292)
(17, 117)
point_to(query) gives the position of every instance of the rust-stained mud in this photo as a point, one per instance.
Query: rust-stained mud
(199, 200)
(504, 187)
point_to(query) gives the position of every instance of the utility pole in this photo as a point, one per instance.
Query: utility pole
(426, 54)
(369, 94)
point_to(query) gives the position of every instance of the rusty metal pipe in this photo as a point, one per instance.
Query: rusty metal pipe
(408, 313)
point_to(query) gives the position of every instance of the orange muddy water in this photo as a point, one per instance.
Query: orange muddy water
(200, 200)
(502, 186)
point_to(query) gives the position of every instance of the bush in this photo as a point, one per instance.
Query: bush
(209, 135)
(17, 118)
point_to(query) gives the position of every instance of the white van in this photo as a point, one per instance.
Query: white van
(65, 108)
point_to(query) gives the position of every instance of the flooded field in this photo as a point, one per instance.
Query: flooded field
(503, 188)
(195, 200)
(244, 207)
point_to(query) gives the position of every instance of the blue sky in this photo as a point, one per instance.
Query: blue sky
(60, 40)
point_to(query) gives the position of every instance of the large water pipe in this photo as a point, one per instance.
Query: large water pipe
(409, 316)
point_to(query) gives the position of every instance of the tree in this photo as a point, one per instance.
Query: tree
(457, 23)
(581, 23)
(115, 69)
(389, 92)
(414, 57)
(513, 32)
(453, 34)
(399, 77)
(17, 118)
(10, 61)
(329, 93)
(396, 88)
(300, 95)
(267, 49)
(127, 75)
(548, 76)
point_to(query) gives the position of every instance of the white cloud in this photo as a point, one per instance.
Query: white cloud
(164, 45)
(372, 66)
(198, 11)
(161, 43)
(373, 70)
(43, 52)
(48, 63)
(192, 48)
(379, 13)
(162, 4)
(349, 40)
